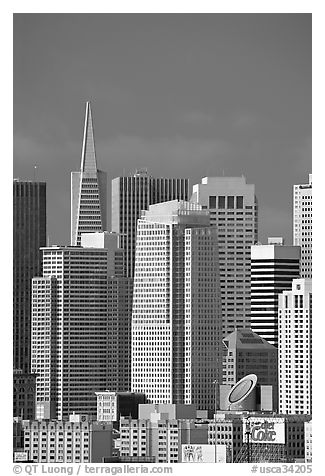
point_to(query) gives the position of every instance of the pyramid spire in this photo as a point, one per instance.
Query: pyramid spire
(88, 186)
(88, 155)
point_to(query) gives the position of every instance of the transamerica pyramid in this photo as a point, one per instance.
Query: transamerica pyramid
(88, 189)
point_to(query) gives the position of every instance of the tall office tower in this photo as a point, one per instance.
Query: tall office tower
(233, 210)
(29, 234)
(74, 313)
(88, 189)
(302, 225)
(273, 267)
(247, 353)
(24, 395)
(295, 348)
(131, 195)
(176, 322)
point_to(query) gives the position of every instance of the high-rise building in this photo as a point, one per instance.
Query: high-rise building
(76, 314)
(176, 322)
(88, 189)
(295, 348)
(29, 234)
(233, 210)
(247, 353)
(302, 225)
(131, 195)
(273, 267)
(24, 395)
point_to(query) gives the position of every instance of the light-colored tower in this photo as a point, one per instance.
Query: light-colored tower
(302, 225)
(76, 318)
(88, 189)
(295, 348)
(176, 321)
(131, 195)
(233, 210)
(273, 267)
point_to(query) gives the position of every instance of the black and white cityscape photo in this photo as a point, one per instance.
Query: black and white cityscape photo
(162, 242)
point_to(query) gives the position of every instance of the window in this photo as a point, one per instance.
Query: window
(221, 202)
(230, 202)
(239, 202)
(212, 201)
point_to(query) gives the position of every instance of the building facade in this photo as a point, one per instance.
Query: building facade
(76, 313)
(233, 211)
(24, 393)
(302, 224)
(247, 353)
(75, 441)
(161, 432)
(295, 348)
(273, 267)
(176, 322)
(309, 441)
(131, 195)
(88, 189)
(112, 405)
(29, 234)
(228, 430)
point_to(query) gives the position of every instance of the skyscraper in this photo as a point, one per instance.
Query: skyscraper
(88, 189)
(77, 317)
(302, 225)
(134, 193)
(273, 267)
(233, 210)
(176, 322)
(295, 348)
(29, 234)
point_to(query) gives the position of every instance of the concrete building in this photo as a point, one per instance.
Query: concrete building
(111, 406)
(131, 195)
(273, 438)
(246, 353)
(233, 210)
(88, 189)
(273, 267)
(24, 395)
(75, 441)
(226, 429)
(308, 441)
(295, 348)
(176, 321)
(76, 323)
(29, 234)
(302, 225)
(159, 434)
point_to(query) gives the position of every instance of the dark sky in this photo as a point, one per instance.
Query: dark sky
(185, 95)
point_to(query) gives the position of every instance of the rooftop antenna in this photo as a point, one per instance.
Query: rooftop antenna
(35, 170)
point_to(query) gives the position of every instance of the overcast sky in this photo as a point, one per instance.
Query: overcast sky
(185, 95)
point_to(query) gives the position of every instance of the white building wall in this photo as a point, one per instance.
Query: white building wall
(43, 338)
(151, 371)
(176, 339)
(302, 224)
(295, 353)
